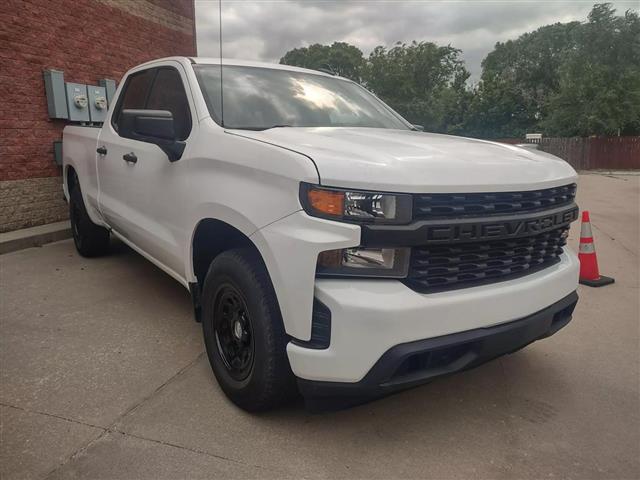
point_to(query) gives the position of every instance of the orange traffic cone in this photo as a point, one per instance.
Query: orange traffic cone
(589, 273)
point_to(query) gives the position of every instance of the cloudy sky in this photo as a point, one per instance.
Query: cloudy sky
(266, 29)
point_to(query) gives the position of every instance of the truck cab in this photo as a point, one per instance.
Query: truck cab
(329, 246)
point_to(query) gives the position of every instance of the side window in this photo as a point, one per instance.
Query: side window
(167, 93)
(134, 94)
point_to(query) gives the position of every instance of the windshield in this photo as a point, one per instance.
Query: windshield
(260, 98)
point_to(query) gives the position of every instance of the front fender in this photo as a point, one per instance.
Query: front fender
(219, 212)
(290, 248)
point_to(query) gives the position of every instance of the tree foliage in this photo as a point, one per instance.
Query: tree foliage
(342, 58)
(518, 79)
(599, 80)
(565, 79)
(424, 81)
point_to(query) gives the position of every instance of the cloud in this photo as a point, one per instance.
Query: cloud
(266, 29)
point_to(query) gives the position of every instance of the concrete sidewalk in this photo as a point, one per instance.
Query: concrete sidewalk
(34, 236)
(103, 376)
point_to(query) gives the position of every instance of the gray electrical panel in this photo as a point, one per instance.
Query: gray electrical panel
(57, 152)
(56, 96)
(110, 87)
(97, 97)
(77, 102)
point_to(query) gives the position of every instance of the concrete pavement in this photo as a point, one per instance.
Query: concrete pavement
(103, 376)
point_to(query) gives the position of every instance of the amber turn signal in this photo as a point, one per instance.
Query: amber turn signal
(329, 202)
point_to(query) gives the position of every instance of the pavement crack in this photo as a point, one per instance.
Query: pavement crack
(76, 453)
(196, 451)
(181, 447)
(112, 428)
(157, 390)
(53, 415)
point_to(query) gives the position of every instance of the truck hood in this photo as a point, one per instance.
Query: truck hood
(409, 161)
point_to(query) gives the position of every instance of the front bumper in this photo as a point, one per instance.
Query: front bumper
(370, 317)
(417, 362)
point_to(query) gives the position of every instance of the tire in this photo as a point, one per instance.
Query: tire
(91, 240)
(244, 334)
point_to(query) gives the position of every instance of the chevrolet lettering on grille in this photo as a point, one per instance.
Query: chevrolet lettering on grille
(465, 231)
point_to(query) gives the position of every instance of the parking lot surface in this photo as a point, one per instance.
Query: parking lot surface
(103, 375)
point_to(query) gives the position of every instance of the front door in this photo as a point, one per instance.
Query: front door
(141, 191)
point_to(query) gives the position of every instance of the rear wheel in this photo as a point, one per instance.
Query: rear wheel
(243, 332)
(91, 240)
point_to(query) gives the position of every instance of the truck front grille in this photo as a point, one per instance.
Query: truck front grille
(445, 267)
(457, 205)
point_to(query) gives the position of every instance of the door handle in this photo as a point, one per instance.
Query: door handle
(130, 157)
(102, 150)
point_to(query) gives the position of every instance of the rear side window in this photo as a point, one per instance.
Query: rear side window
(157, 89)
(134, 95)
(167, 93)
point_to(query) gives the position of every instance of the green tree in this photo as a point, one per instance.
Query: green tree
(425, 82)
(599, 80)
(518, 79)
(342, 58)
(562, 79)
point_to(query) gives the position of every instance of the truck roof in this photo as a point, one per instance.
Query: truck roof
(235, 61)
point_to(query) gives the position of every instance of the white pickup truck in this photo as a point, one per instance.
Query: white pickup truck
(329, 246)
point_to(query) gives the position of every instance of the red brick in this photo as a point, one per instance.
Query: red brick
(39, 38)
(36, 36)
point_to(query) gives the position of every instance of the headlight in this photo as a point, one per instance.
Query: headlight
(355, 205)
(364, 262)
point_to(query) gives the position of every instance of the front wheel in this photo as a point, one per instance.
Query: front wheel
(243, 332)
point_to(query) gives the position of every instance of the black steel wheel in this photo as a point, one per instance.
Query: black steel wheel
(233, 331)
(243, 332)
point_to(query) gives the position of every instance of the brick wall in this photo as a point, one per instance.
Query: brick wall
(87, 40)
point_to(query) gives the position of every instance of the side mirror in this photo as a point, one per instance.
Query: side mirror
(152, 126)
(417, 128)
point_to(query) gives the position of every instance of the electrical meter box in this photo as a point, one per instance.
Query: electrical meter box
(110, 86)
(97, 97)
(56, 97)
(77, 102)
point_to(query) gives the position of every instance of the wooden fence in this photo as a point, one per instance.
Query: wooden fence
(593, 153)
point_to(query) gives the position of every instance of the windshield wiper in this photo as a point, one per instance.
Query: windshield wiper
(260, 129)
(278, 126)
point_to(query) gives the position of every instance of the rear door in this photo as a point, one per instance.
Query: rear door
(141, 191)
